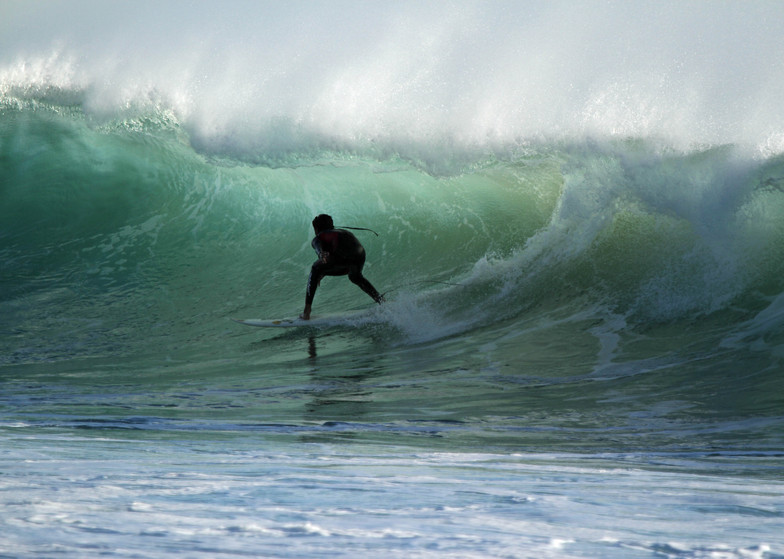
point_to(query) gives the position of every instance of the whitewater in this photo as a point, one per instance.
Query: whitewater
(580, 218)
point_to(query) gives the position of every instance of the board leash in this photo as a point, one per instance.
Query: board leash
(357, 229)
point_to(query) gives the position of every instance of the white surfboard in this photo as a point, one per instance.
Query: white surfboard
(326, 320)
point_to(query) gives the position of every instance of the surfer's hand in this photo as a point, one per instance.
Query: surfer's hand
(324, 257)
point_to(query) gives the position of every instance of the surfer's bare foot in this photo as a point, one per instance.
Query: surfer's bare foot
(305, 314)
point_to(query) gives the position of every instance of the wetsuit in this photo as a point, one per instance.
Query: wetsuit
(340, 254)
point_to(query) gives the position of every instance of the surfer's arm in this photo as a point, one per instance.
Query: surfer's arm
(313, 282)
(323, 255)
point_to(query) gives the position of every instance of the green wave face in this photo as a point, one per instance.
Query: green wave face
(118, 223)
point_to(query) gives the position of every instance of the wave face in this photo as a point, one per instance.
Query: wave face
(559, 205)
(124, 226)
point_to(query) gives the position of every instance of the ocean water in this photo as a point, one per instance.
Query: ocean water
(580, 218)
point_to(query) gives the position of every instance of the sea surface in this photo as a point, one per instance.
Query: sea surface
(580, 219)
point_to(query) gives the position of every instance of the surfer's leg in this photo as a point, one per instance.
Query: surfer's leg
(317, 273)
(356, 277)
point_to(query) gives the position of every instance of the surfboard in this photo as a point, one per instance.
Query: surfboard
(327, 320)
(276, 322)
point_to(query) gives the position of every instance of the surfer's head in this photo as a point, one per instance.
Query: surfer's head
(322, 222)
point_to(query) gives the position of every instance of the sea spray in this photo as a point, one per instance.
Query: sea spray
(295, 79)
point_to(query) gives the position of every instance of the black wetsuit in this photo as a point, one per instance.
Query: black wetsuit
(344, 255)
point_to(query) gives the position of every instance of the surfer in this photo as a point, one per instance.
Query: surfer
(339, 253)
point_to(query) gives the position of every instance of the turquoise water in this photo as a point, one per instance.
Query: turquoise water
(582, 350)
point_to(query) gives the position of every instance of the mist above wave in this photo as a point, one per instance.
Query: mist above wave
(340, 73)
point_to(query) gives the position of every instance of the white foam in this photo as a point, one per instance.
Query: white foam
(753, 333)
(418, 318)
